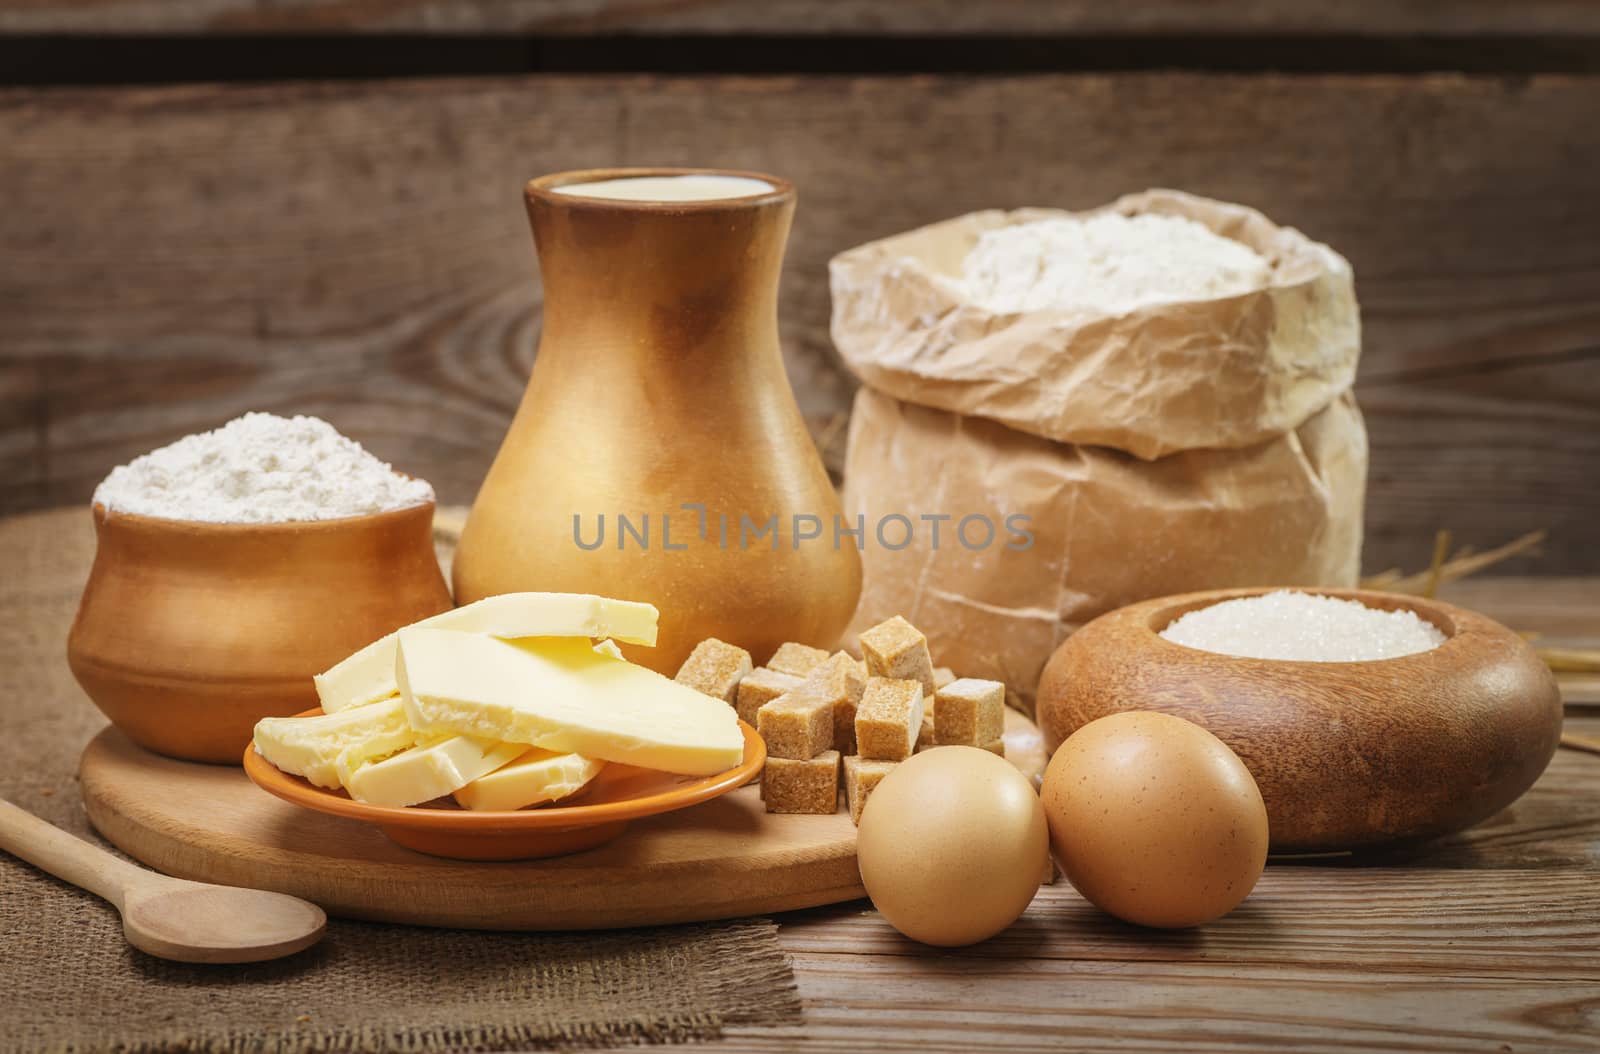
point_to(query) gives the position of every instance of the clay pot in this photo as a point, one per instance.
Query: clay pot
(1348, 755)
(188, 633)
(659, 384)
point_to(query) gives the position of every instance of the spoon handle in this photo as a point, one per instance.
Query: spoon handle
(68, 858)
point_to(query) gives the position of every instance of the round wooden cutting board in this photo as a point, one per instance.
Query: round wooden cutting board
(723, 859)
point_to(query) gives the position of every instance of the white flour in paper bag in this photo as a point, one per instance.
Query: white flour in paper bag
(1161, 387)
(1107, 263)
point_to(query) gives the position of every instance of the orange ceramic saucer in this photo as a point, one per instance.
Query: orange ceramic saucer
(593, 816)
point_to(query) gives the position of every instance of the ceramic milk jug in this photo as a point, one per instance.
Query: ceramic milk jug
(658, 453)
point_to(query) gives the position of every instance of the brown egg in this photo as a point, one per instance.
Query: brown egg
(952, 845)
(1154, 820)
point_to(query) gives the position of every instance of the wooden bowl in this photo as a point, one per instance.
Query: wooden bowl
(592, 817)
(1348, 755)
(188, 633)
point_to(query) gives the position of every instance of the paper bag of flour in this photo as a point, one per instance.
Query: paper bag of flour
(1117, 455)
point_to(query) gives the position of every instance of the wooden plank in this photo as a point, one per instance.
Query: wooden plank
(1509, 924)
(958, 1004)
(1322, 957)
(931, 17)
(176, 256)
(1557, 612)
(1564, 609)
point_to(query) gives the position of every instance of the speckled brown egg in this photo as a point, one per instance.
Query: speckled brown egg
(952, 845)
(1154, 820)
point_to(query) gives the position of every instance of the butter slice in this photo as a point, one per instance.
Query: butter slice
(536, 777)
(359, 754)
(312, 746)
(562, 695)
(368, 675)
(427, 772)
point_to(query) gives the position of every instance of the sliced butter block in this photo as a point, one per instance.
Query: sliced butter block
(358, 754)
(368, 675)
(562, 695)
(427, 772)
(312, 746)
(536, 777)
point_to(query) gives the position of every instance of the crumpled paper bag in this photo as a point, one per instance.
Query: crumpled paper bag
(1221, 373)
(1176, 448)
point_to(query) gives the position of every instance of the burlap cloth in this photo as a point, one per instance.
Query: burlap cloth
(69, 982)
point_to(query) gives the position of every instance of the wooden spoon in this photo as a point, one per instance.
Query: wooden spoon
(172, 918)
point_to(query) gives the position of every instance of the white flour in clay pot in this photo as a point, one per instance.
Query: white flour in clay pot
(1108, 263)
(260, 468)
(1304, 628)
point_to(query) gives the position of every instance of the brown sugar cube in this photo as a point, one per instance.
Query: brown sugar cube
(841, 680)
(797, 725)
(715, 668)
(849, 673)
(758, 688)
(942, 675)
(969, 712)
(861, 775)
(798, 660)
(888, 719)
(897, 650)
(998, 747)
(789, 785)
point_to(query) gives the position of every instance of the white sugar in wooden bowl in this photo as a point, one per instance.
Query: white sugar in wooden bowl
(1348, 754)
(1303, 627)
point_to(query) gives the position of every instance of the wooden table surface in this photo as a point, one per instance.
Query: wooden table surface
(1486, 941)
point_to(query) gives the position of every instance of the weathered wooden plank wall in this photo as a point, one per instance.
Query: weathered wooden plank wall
(1454, 17)
(176, 255)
